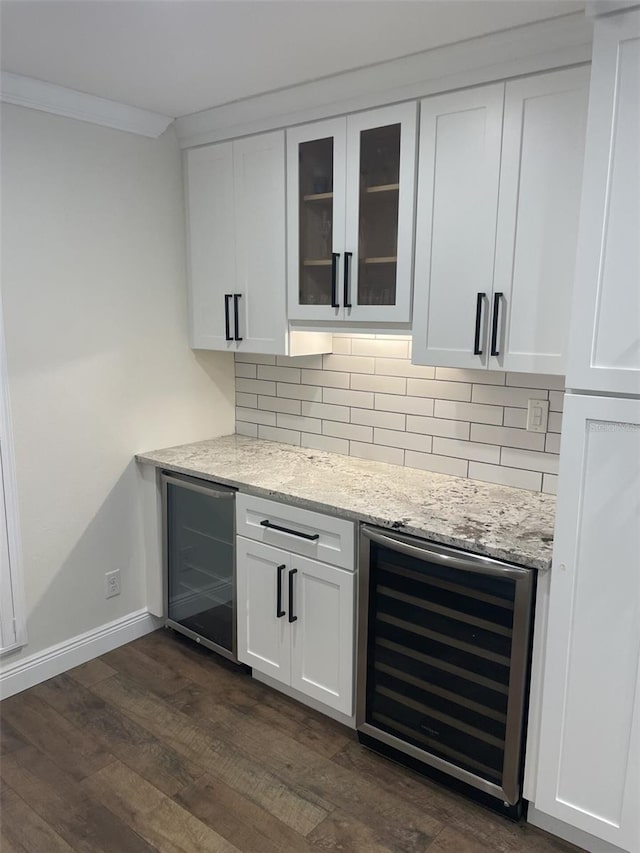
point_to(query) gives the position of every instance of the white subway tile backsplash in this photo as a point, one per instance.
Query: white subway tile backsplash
(340, 397)
(279, 374)
(481, 377)
(552, 443)
(256, 386)
(324, 410)
(324, 442)
(366, 399)
(255, 416)
(326, 378)
(530, 459)
(507, 437)
(406, 405)
(439, 390)
(247, 371)
(350, 363)
(370, 417)
(556, 401)
(506, 396)
(298, 422)
(438, 426)
(437, 464)
(352, 432)
(555, 422)
(506, 476)
(402, 367)
(515, 418)
(279, 404)
(380, 348)
(300, 392)
(375, 382)
(249, 401)
(468, 412)
(375, 451)
(250, 430)
(534, 380)
(406, 440)
(287, 436)
(253, 358)
(466, 450)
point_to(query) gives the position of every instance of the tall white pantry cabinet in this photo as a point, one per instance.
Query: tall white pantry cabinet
(589, 761)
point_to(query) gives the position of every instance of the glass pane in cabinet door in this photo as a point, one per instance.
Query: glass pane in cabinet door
(316, 218)
(378, 226)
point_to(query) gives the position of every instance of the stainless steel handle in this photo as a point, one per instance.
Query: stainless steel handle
(444, 556)
(195, 487)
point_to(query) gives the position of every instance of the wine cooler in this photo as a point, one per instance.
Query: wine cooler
(443, 670)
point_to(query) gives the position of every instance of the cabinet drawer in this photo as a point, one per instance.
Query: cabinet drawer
(333, 538)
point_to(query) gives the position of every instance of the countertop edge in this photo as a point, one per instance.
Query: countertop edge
(343, 512)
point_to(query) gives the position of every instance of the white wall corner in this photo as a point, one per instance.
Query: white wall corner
(57, 659)
(50, 98)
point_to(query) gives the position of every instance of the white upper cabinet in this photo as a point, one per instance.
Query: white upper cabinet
(500, 170)
(605, 330)
(458, 177)
(538, 209)
(351, 184)
(589, 753)
(237, 255)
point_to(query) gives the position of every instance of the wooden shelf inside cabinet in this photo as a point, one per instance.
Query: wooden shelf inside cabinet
(318, 197)
(383, 188)
(317, 263)
(389, 260)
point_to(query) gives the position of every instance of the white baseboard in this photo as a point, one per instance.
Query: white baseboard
(50, 662)
(563, 830)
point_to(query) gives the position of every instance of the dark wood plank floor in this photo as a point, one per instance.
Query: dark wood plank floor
(161, 746)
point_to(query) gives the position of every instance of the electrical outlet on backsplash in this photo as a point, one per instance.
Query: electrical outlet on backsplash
(366, 399)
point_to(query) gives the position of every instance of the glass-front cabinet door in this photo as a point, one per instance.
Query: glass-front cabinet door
(351, 185)
(316, 209)
(381, 157)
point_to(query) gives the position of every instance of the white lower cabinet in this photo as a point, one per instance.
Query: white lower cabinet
(589, 758)
(296, 621)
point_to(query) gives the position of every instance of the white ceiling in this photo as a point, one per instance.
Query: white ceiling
(181, 56)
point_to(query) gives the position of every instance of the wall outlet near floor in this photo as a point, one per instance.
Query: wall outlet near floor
(112, 584)
(537, 415)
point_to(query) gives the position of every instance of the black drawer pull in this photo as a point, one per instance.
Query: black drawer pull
(292, 618)
(279, 611)
(476, 339)
(227, 326)
(236, 321)
(496, 316)
(347, 303)
(310, 536)
(335, 256)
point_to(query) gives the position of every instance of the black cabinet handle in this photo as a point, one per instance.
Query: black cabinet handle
(279, 611)
(292, 618)
(227, 325)
(476, 339)
(347, 304)
(494, 326)
(335, 257)
(310, 536)
(236, 323)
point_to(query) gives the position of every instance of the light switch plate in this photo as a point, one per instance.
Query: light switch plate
(537, 415)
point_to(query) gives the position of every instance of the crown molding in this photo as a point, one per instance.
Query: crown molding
(50, 98)
(542, 46)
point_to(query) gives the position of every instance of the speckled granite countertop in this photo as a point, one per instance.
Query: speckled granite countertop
(502, 522)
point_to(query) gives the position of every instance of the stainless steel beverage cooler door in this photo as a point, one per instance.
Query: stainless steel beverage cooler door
(444, 646)
(199, 553)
